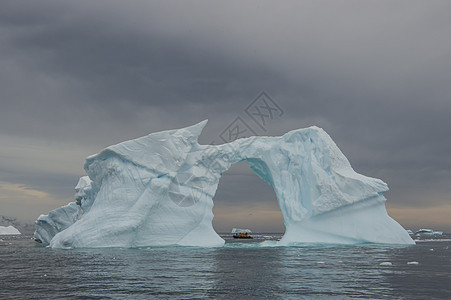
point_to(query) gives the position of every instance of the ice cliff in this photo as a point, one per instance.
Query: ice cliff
(159, 189)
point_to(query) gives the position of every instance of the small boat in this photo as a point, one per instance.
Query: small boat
(409, 231)
(241, 233)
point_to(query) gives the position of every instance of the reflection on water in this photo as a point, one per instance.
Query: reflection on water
(240, 270)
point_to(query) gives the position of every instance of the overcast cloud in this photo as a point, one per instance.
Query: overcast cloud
(77, 76)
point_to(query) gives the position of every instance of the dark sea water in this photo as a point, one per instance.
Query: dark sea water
(239, 270)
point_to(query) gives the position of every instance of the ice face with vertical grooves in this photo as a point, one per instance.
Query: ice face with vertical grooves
(159, 189)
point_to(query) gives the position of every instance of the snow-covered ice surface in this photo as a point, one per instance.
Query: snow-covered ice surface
(9, 230)
(159, 189)
(47, 226)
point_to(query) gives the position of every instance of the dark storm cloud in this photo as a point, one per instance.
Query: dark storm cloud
(374, 75)
(96, 71)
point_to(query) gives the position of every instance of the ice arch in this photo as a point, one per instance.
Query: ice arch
(158, 190)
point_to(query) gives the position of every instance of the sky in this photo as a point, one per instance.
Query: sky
(78, 76)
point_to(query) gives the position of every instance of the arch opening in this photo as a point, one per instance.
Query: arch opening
(244, 200)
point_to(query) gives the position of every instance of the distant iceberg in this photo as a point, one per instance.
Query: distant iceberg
(10, 230)
(428, 232)
(159, 189)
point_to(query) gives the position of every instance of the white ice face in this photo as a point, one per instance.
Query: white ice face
(9, 230)
(158, 190)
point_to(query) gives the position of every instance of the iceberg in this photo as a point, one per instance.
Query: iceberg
(47, 226)
(158, 190)
(9, 230)
(428, 232)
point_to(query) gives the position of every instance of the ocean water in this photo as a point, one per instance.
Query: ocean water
(243, 269)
